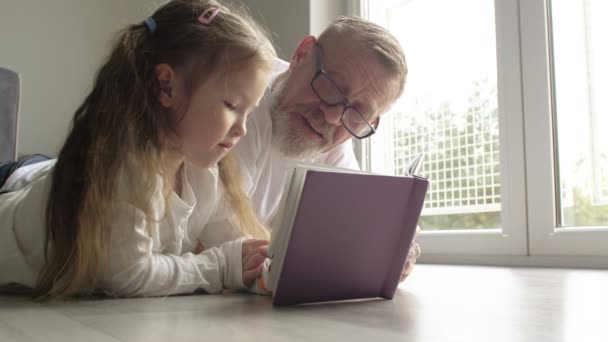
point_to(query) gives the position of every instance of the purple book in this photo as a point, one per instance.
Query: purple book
(343, 236)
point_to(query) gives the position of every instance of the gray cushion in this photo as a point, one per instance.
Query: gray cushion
(9, 111)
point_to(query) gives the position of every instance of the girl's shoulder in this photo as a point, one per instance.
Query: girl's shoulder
(26, 175)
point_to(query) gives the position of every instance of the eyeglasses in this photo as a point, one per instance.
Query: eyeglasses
(329, 93)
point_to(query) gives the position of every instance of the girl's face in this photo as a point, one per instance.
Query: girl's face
(215, 118)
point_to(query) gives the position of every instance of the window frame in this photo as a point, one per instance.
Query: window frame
(538, 75)
(529, 236)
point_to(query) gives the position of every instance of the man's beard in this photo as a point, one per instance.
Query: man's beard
(288, 131)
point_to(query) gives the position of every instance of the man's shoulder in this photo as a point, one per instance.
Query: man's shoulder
(278, 66)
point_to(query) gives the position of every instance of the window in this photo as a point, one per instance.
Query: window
(450, 111)
(579, 32)
(504, 98)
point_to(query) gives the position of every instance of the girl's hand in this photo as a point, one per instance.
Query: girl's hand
(255, 253)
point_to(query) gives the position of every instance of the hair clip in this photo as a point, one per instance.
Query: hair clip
(151, 23)
(208, 15)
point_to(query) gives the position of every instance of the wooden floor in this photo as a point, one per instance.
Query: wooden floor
(437, 303)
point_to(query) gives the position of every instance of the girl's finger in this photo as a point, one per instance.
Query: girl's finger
(250, 245)
(263, 250)
(254, 261)
(250, 275)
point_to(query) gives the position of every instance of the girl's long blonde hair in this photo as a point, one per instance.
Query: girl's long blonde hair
(122, 117)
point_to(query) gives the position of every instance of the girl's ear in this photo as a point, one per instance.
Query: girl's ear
(166, 78)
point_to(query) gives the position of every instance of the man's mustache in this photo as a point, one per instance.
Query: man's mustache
(316, 117)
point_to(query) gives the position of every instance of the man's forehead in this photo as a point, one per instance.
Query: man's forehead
(359, 73)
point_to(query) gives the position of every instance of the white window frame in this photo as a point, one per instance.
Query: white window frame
(545, 239)
(528, 236)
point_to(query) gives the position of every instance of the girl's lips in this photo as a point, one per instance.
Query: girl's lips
(226, 146)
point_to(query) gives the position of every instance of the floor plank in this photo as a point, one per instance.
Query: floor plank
(437, 303)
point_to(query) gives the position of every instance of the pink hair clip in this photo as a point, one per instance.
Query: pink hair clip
(208, 15)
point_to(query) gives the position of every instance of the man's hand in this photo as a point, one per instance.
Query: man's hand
(412, 255)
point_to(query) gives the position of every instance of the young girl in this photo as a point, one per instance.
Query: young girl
(138, 181)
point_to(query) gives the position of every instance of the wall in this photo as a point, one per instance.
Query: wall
(57, 46)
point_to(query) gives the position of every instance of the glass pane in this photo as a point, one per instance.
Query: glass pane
(580, 57)
(449, 109)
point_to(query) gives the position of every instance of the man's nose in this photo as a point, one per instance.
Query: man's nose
(332, 114)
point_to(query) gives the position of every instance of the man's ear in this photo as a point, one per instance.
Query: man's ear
(166, 78)
(307, 45)
(375, 122)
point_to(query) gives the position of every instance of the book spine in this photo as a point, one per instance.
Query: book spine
(419, 188)
(279, 248)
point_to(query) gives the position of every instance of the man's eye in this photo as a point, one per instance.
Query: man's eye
(229, 105)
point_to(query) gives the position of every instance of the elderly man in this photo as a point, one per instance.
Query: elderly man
(334, 88)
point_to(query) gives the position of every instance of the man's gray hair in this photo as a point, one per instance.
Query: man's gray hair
(375, 38)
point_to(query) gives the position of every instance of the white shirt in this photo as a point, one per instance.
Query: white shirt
(147, 256)
(265, 168)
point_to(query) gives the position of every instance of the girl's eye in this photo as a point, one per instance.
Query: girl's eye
(229, 105)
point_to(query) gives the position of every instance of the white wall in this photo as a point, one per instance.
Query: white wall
(58, 45)
(288, 21)
(323, 12)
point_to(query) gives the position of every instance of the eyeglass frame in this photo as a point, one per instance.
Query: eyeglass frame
(322, 72)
